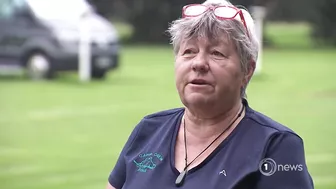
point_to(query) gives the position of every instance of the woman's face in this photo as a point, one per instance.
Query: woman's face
(208, 72)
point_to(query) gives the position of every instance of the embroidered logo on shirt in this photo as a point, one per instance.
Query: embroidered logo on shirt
(147, 161)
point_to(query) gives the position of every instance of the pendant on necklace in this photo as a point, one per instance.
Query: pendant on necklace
(180, 179)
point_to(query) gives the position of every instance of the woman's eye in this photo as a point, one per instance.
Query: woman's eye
(216, 53)
(188, 51)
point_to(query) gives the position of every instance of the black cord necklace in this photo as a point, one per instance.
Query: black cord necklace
(180, 179)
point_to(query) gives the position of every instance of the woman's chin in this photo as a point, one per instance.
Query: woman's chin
(198, 99)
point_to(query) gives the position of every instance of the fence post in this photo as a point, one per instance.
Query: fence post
(259, 13)
(84, 51)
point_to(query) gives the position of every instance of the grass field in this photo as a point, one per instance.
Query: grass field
(63, 134)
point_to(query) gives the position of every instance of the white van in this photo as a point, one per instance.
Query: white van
(42, 36)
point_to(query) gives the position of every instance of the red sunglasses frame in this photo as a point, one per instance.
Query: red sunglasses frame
(213, 8)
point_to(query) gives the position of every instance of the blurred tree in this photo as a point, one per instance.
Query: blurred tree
(323, 22)
(290, 11)
(102, 6)
(150, 18)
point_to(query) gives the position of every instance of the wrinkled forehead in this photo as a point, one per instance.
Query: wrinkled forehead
(208, 41)
(210, 36)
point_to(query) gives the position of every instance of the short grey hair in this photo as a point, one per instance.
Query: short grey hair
(212, 28)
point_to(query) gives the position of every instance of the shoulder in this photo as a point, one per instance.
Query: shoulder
(156, 124)
(262, 122)
(270, 133)
(264, 137)
(158, 119)
(164, 114)
(265, 129)
(272, 129)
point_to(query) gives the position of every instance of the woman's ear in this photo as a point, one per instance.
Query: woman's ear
(250, 70)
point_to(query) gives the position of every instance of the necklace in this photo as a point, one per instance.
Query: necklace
(180, 179)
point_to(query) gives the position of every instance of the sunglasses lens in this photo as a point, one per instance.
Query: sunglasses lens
(195, 10)
(225, 12)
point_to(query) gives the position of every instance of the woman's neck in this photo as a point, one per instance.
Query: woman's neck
(203, 129)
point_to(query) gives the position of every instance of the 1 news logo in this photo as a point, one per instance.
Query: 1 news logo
(268, 167)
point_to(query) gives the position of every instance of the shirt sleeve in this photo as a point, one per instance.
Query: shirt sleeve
(117, 176)
(285, 165)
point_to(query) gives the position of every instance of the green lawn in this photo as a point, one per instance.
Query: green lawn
(63, 134)
(289, 35)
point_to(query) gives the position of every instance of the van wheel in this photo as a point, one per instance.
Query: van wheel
(98, 74)
(38, 66)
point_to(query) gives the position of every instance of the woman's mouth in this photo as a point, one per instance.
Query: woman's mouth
(199, 82)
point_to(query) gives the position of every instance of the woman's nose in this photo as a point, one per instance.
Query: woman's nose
(200, 64)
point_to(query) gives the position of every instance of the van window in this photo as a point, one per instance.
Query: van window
(8, 7)
(59, 9)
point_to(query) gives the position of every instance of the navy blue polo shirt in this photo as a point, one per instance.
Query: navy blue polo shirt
(259, 154)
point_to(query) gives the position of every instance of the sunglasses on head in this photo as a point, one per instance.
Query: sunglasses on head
(221, 12)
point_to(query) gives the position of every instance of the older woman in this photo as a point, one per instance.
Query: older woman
(217, 140)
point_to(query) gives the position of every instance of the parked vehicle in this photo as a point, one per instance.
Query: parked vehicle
(42, 37)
